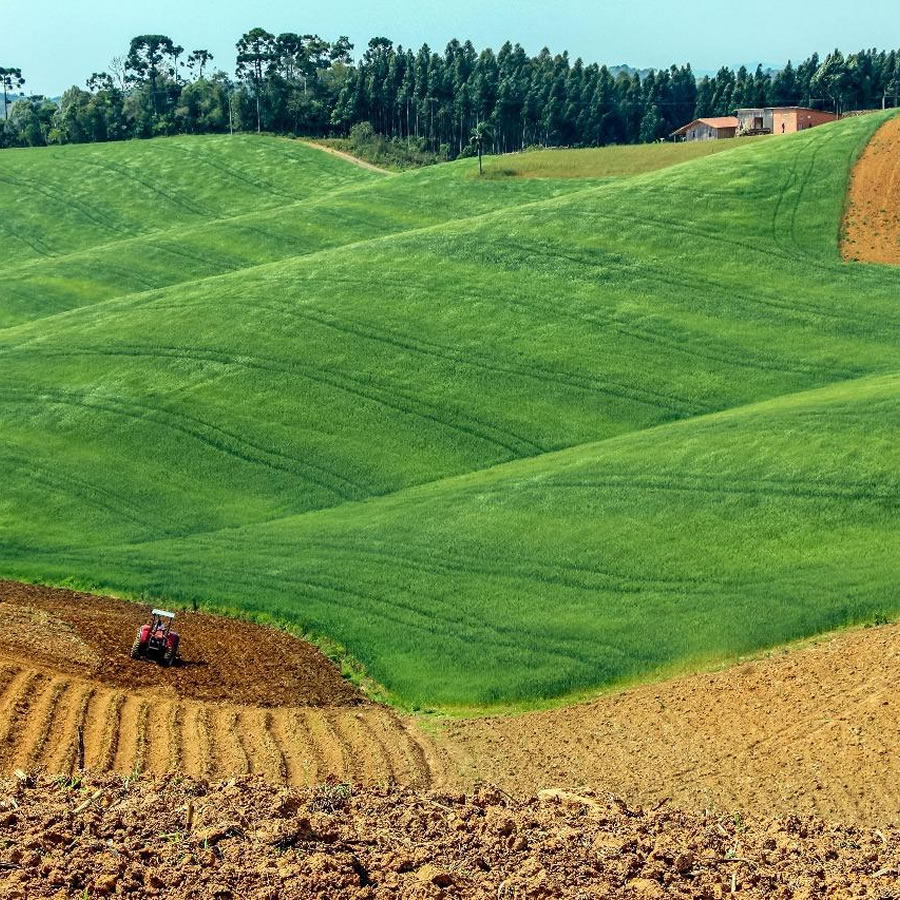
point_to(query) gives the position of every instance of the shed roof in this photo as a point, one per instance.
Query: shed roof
(711, 121)
(757, 109)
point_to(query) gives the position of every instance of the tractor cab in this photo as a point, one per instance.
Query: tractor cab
(161, 624)
(157, 639)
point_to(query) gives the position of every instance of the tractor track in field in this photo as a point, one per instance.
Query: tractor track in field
(245, 700)
(871, 230)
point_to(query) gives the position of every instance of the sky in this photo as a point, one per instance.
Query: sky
(58, 43)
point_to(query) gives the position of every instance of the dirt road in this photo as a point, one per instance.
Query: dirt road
(347, 156)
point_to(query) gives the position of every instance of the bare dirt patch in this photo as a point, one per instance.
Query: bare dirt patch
(809, 731)
(246, 839)
(223, 659)
(30, 632)
(871, 231)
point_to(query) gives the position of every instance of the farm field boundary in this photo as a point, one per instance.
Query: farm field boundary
(871, 231)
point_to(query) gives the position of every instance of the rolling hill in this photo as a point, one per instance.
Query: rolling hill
(73, 247)
(505, 440)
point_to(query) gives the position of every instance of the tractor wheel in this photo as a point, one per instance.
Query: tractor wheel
(169, 657)
(137, 648)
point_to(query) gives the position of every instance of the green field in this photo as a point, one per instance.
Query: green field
(601, 162)
(503, 439)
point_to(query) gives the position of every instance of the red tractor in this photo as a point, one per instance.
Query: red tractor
(156, 639)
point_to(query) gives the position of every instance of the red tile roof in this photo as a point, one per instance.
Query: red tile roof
(720, 121)
(712, 122)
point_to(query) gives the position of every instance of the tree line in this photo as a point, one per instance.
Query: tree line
(302, 84)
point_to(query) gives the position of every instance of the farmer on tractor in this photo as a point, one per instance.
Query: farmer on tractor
(157, 639)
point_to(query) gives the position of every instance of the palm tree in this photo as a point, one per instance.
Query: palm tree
(480, 133)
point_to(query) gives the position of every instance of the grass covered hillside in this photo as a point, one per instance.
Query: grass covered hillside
(327, 203)
(61, 199)
(504, 439)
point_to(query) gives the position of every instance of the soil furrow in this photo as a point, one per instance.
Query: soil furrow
(193, 740)
(126, 758)
(230, 754)
(15, 711)
(276, 754)
(40, 728)
(56, 757)
(302, 758)
(159, 736)
(372, 727)
(140, 749)
(418, 770)
(334, 753)
(110, 732)
(365, 764)
(69, 760)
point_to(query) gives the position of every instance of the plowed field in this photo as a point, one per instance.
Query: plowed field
(811, 731)
(244, 700)
(872, 223)
(179, 838)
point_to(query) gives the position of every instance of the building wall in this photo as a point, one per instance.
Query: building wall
(703, 132)
(700, 132)
(799, 120)
(754, 119)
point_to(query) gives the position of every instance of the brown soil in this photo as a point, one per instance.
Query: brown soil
(872, 224)
(181, 838)
(806, 731)
(222, 659)
(245, 699)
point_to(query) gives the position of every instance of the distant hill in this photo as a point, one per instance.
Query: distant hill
(11, 98)
(624, 69)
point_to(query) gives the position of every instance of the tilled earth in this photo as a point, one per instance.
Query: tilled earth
(871, 230)
(777, 777)
(813, 730)
(222, 659)
(177, 837)
(244, 699)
